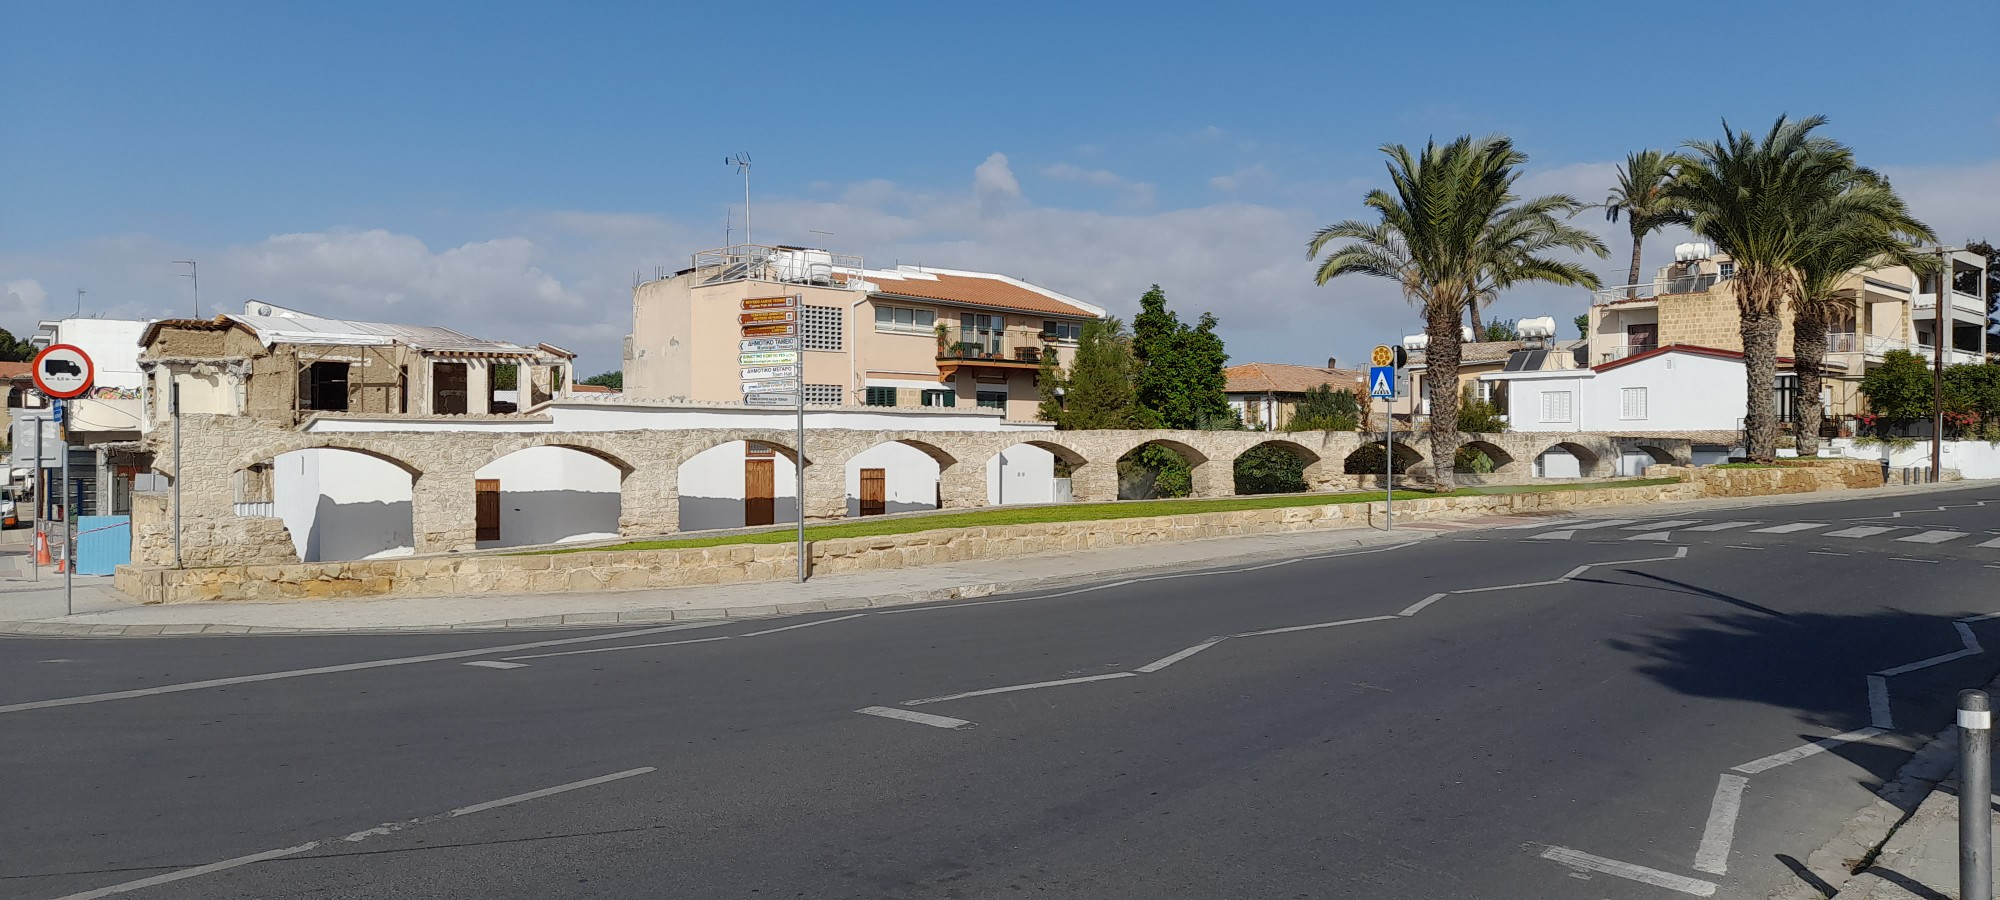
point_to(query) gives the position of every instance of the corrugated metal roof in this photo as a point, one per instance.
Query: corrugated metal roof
(313, 330)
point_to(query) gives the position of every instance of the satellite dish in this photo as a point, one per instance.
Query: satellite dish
(263, 310)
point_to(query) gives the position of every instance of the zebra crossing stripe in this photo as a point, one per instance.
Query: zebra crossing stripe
(1720, 526)
(1554, 536)
(1789, 527)
(1992, 543)
(1862, 531)
(1932, 537)
(1607, 523)
(1661, 526)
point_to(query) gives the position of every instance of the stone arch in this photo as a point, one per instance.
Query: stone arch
(341, 502)
(720, 483)
(1498, 463)
(551, 492)
(1255, 472)
(1137, 482)
(580, 443)
(1366, 459)
(1569, 459)
(913, 477)
(271, 453)
(1025, 472)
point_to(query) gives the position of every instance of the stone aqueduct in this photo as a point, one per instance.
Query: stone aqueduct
(221, 454)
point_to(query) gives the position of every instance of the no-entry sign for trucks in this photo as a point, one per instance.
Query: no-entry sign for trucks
(63, 371)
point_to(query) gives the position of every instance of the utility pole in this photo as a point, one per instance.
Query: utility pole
(1940, 332)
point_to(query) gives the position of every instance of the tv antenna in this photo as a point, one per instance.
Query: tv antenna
(742, 163)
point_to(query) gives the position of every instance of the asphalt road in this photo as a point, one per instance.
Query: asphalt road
(1614, 724)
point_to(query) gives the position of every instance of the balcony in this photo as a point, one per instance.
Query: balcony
(1619, 351)
(1655, 289)
(1010, 349)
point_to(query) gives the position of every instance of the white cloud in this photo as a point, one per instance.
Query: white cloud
(23, 302)
(1131, 194)
(1255, 175)
(993, 183)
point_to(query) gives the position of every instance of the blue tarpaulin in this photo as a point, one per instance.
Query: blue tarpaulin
(103, 543)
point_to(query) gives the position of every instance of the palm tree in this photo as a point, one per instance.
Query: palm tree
(1641, 196)
(1873, 228)
(1767, 204)
(1452, 232)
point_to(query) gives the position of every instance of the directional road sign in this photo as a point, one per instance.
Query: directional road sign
(1382, 382)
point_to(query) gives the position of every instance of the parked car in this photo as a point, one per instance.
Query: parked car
(9, 517)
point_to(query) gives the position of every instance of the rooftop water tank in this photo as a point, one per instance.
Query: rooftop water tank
(1538, 328)
(1692, 250)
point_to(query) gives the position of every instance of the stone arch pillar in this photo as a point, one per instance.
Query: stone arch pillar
(826, 489)
(649, 499)
(441, 512)
(962, 485)
(1094, 482)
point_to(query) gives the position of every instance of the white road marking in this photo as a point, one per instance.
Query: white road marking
(1789, 527)
(1721, 526)
(1992, 543)
(802, 624)
(1316, 625)
(624, 647)
(1602, 523)
(1912, 559)
(357, 836)
(1418, 606)
(1939, 660)
(1862, 531)
(1966, 636)
(1554, 536)
(1652, 536)
(1743, 547)
(1713, 854)
(1802, 751)
(1932, 537)
(1577, 859)
(1022, 687)
(1827, 553)
(329, 670)
(1662, 526)
(1879, 714)
(911, 715)
(496, 664)
(1166, 661)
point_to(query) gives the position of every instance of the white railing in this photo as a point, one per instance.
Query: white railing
(791, 265)
(1843, 343)
(1620, 351)
(1658, 287)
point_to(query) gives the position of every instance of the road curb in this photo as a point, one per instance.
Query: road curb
(968, 591)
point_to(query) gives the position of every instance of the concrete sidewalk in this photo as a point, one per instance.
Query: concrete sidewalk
(1920, 861)
(27, 608)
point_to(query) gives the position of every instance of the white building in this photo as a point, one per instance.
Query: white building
(1675, 389)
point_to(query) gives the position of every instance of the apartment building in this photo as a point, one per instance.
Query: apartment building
(1265, 395)
(908, 336)
(1692, 302)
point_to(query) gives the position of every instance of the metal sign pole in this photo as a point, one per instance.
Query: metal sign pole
(799, 465)
(69, 531)
(41, 519)
(1388, 470)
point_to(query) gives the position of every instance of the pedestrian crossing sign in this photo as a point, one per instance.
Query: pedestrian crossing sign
(1382, 382)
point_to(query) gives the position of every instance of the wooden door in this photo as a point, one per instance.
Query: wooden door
(874, 499)
(759, 492)
(486, 507)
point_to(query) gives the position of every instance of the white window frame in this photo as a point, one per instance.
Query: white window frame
(927, 325)
(1549, 401)
(1627, 406)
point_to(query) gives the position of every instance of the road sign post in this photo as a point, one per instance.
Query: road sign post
(64, 371)
(1382, 386)
(1975, 811)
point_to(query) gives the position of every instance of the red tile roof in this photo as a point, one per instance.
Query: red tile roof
(581, 388)
(974, 289)
(1678, 348)
(12, 370)
(1280, 378)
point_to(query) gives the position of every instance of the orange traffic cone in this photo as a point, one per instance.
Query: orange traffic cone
(41, 548)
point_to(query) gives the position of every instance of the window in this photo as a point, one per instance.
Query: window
(1555, 406)
(993, 399)
(820, 327)
(911, 321)
(940, 398)
(880, 396)
(1061, 331)
(1785, 397)
(448, 396)
(323, 386)
(1726, 271)
(1632, 403)
(823, 395)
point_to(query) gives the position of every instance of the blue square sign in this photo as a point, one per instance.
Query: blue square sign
(1382, 382)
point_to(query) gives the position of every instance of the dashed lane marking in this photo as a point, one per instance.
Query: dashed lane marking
(911, 715)
(1169, 660)
(1932, 537)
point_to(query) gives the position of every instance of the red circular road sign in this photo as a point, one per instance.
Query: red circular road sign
(63, 371)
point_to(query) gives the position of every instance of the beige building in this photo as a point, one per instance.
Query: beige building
(903, 337)
(284, 365)
(1692, 302)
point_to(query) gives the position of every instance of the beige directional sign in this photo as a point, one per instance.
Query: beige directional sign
(1382, 355)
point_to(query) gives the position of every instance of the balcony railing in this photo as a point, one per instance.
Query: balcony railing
(1620, 351)
(1013, 346)
(1658, 287)
(789, 265)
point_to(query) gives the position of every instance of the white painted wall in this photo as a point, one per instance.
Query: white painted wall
(711, 488)
(342, 505)
(1684, 392)
(553, 494)
(1023, 474)
(1558, 463)
(909, 476)
(1972, 459)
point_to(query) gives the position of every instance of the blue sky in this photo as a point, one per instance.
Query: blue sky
(506, 168)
